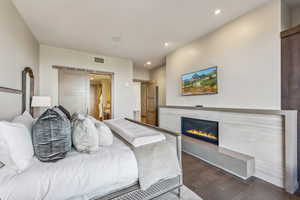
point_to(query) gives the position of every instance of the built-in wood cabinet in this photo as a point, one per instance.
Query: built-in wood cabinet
(290, 74)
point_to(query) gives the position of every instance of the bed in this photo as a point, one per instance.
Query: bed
(78, 176)
(104, 175)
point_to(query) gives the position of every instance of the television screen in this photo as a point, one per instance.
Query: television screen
(200, 82)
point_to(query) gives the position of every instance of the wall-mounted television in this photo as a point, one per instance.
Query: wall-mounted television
(201, 82)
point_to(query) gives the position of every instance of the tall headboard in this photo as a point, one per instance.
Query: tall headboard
(27, 72)
(24, 95)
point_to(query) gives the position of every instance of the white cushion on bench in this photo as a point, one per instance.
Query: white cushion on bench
(133, 133)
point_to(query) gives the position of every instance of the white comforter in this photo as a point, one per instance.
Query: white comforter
(78, 176)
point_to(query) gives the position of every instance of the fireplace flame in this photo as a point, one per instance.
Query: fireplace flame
(201, 133)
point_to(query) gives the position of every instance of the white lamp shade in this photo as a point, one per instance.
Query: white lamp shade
(41, 101)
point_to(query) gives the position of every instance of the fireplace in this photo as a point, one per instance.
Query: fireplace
(201, 129)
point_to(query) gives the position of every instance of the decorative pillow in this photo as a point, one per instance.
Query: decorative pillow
(84, 135)
(65, 111)
(26, 119)
(19, 143)
(1, 164)
(76, 116)
(106, 137)
(52, 136)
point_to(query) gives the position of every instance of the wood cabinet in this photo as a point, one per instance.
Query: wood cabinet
(290, 75)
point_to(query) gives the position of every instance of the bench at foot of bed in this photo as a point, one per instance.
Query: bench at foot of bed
(134, 193)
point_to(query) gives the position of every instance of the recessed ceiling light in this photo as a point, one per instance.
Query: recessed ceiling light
(217, 12)
(166, 44)
(148, 63)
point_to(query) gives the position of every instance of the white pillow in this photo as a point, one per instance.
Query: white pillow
(5, 158)
(106, 137)
(84, 136)
(26, 119)
(4, 151)
(19, 144)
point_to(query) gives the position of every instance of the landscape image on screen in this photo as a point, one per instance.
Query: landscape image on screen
(201, 82)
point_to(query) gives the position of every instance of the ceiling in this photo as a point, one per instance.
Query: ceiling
(135, 29)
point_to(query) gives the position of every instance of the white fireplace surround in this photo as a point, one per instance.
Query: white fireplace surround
(270, 136)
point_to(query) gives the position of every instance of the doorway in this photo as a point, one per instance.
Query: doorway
(147, 102)
(100, 96)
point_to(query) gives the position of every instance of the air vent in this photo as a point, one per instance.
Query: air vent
(99, 60)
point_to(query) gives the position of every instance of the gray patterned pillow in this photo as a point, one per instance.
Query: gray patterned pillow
(1, 164)
(51, 136)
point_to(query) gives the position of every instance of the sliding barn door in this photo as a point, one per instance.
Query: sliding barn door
(74, 91)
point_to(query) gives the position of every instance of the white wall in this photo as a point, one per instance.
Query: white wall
(295, 16)
(141, 73)
(122, 69)
(137, 96)
(137, 102)
(159, 76)
(18, 49)
(247, 52)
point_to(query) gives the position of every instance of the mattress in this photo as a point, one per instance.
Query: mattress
(78, 176)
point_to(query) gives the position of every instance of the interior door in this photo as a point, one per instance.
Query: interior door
(144, 102)
(290, 73)
(74, 91)
(152, 103)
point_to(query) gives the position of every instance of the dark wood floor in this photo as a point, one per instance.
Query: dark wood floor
(212, 183)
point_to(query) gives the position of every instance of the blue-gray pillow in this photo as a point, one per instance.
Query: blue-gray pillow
(51, 136)
(65, 111)
(1, 164)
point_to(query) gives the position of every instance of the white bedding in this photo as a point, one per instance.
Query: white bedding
(78, 176)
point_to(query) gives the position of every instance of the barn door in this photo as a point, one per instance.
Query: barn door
(74, 91)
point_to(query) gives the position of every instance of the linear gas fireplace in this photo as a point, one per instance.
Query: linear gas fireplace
(201, 129)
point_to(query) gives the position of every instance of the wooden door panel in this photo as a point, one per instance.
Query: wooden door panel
(143, 100)
(151, 104)
(290, 75)
(291, 72)
(151, 118)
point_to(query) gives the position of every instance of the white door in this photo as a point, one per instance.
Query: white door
(74, 91)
